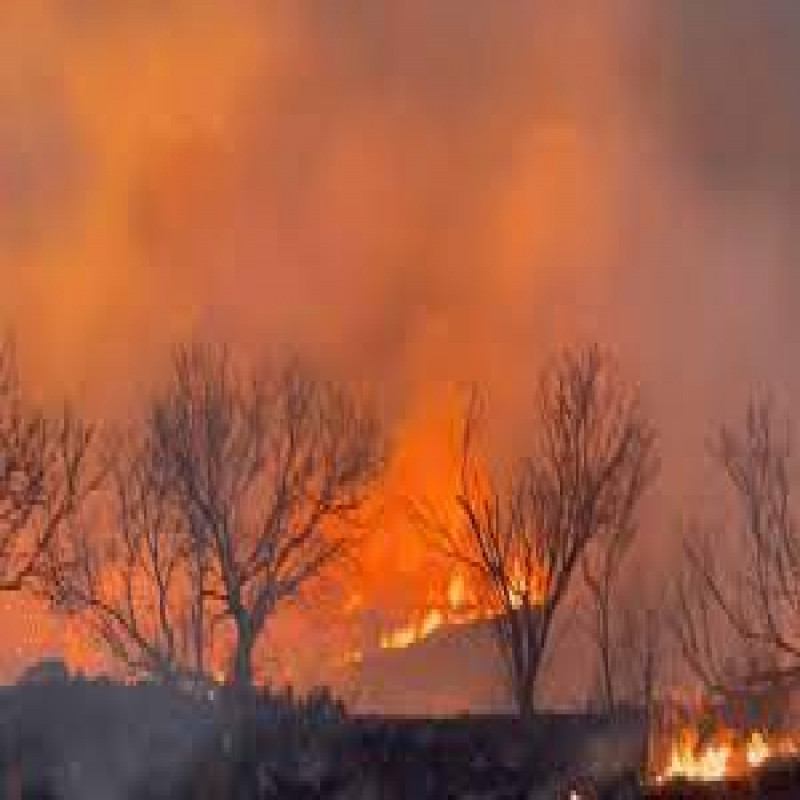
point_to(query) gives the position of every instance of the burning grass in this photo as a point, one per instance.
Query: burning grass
(726, 755)
(737, 749)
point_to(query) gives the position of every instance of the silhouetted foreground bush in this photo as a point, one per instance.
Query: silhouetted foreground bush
(82, 740)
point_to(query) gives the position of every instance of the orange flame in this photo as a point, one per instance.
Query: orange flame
(689, 761)
(727, 755)
(462, 607)
(455, 611)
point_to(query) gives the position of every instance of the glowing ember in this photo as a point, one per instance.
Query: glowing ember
(353, 657)
(433, 620)
(527, 589)
(757, 750)
(399, 639)
(456, 592)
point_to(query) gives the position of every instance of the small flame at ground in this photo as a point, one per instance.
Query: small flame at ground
(725, 757)
(690, 761)
(758, 751)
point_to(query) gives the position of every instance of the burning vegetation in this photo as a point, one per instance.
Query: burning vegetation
(460, 608)
(410, 478)
(179, 542)
(725, 755)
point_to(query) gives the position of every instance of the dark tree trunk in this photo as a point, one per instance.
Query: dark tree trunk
(243, 658)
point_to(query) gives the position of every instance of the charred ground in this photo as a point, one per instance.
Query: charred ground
(96, 739)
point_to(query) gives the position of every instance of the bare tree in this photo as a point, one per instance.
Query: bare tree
(601, 572)
(737, 621)
(624, 627)
(523, 533)
(630, 673)
(45, 476)
(643, 645)
(270, 471)
(130, 573)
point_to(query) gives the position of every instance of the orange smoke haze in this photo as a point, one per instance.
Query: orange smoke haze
(420, 194)
(272, 175)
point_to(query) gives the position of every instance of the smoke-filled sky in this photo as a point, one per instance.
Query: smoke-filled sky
(415, 191)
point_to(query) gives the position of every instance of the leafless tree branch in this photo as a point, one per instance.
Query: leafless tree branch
(524, 533)
(751, 604)
(46, 473)
(270, 470)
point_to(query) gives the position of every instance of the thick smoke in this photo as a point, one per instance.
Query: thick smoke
(418, 193)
